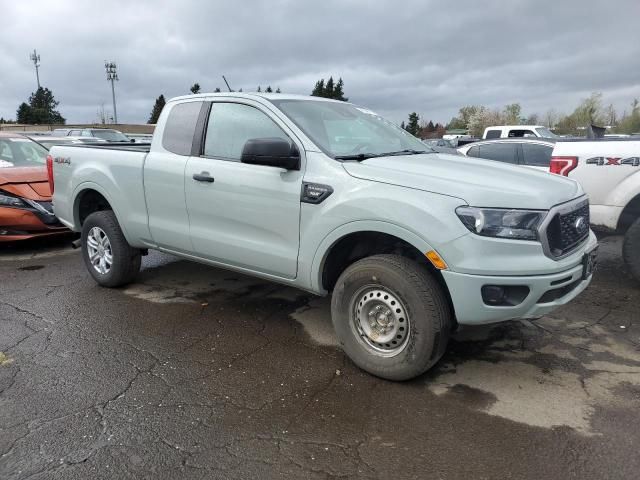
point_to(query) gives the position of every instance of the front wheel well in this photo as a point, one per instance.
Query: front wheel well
(355, 246)
(629, 214)
(88, 202)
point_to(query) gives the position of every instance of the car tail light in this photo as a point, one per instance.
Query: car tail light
(50, 172)
(563, 165)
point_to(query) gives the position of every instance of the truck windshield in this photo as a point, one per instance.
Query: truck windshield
(546, 133)
(343, 130)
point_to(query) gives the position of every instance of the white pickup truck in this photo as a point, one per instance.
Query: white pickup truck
(609, 171)
(330, 197)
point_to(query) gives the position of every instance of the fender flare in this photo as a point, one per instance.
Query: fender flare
(89, 185)
(340, 232)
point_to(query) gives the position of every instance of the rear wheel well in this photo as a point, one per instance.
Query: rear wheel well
(356, 246)
(630, 213)
(88, 202)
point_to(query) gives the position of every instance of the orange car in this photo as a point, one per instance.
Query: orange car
(25, 197)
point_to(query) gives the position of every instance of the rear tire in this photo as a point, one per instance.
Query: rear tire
(631, 249)
(109, 258)
(391, 316)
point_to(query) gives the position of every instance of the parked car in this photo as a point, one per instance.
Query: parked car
(107, 134)
(25, 196)
(329, 197)
(509, 131)
(609, 171)
(527, 152)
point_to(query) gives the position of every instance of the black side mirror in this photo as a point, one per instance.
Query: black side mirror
(272, 152)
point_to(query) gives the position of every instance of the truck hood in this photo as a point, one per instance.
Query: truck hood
(480, 183)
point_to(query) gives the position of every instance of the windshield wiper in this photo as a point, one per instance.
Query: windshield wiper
(364, 156)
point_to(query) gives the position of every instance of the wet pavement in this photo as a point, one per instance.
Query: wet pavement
(195, 372)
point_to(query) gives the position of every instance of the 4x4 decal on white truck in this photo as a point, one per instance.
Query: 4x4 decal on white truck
(633, 161)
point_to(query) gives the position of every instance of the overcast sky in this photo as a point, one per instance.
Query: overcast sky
(394, 56)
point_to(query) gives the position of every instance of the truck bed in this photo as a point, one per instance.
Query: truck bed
(127, 147)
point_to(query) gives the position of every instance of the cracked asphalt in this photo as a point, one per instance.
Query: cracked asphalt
(195, 372)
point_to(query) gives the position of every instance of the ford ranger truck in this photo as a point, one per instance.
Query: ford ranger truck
(330, 197)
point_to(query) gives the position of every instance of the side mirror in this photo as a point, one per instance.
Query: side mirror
(272, 152)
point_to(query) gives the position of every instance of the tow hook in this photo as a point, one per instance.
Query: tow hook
(77, 243)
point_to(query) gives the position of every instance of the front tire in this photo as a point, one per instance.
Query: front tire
(109, 258)
(631, 249)
(391, 316)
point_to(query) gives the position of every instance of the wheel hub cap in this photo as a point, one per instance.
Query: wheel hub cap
(99, 250)
(380, 320)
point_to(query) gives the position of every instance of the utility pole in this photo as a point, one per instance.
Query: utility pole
(35, 58)
(112, 75)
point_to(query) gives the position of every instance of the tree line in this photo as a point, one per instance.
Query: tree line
(590, 111)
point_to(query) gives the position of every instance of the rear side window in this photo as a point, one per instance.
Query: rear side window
(232, 124)
(493, 134)
(180, 128)
(536, 155)
(501, 152)
(521, 133)
(473, 152)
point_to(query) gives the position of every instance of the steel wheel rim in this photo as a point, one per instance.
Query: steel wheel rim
(380, 320)
(99, 250)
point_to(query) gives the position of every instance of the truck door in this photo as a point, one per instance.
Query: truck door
(243, 215)
(164, 177)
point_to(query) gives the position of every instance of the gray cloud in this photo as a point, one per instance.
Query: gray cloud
(427, 56)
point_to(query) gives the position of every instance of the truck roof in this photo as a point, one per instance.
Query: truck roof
(254, 95)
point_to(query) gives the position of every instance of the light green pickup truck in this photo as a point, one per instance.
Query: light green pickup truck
(328, 197)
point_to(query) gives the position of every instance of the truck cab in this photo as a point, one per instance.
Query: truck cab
(514, 131)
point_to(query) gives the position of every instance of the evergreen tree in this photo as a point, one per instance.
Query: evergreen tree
(430, 127)
(217, 90)
(259, 89)
(329, 91)
(278, 90)
(157, 109)
(402, 125)
(268, 89)
(195, 88)
(40, 109)
(23, 114)
(338, 92)
(318, 90)
(413, 127)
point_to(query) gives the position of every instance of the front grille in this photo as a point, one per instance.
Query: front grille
(563, 233)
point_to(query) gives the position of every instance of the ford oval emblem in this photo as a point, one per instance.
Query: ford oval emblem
(580, 225)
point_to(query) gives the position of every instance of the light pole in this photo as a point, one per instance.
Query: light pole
(35, 58)
(112, 76)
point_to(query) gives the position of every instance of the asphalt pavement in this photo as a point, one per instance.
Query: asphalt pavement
(195, 372)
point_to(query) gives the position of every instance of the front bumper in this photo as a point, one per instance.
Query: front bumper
(21, 224)
(470, 308)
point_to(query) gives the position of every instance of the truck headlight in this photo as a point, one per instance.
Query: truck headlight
(11, 201)
(502, 223)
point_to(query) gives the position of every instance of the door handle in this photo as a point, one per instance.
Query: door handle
(203, 177)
